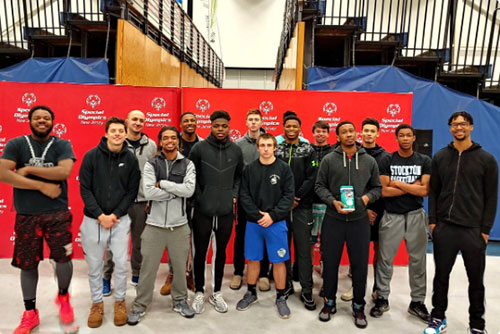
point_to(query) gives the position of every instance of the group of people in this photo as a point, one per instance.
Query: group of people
(184, 192)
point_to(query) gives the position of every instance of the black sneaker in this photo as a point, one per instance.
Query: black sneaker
(329, 308)
(308, 301)
(289, 290)
(419, 310)
(381, 306)
(358, 312)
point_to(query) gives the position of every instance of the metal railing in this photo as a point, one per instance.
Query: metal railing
(290, 18)
(456, 32)
(167, 24)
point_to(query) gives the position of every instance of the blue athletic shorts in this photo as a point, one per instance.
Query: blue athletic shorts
(273, 238)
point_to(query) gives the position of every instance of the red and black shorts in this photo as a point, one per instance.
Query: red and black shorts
(54, 227)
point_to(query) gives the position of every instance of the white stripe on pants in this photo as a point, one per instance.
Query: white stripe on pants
(95, 238)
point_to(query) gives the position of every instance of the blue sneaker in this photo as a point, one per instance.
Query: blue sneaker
(134, 281)
(106, 287)
(436, 326)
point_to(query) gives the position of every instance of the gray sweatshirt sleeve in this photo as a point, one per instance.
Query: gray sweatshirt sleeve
(322, 183)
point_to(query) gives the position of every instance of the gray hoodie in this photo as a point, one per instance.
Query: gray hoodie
(143, 153)
(360, 171)
(248, 148)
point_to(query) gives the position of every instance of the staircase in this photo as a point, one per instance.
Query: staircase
(452, 42)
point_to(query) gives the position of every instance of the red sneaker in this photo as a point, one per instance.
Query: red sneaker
(65, 309)
(29, 321)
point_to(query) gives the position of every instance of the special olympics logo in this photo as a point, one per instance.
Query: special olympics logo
(29, 99)
(266, 107)
(158, 103)
(93, 101)
(60, 129)
(393, 109)
(234, 135)
(202, 105)
(329, 108)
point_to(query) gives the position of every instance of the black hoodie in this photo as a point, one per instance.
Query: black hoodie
(464, 187)
(109, 181)
(378, 153)
(218, 172)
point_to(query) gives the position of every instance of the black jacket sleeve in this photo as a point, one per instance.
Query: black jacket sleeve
(85, 178)
(195, 157)
(132, 188)
(281, 209)
(434, 191)
(246, 200)
(490, 184)
(307, 186)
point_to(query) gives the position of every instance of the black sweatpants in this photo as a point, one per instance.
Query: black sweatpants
(356, 234)
(239, 247)
(448, 240)
(203, 226)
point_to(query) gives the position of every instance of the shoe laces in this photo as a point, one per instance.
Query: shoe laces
(435, 323)
(198, 298)
(218, 298)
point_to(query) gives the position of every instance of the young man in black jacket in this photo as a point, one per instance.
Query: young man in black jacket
(299, 156)
(267, 193)
(347, 166)
(462, 207)
(219, 164)
(109, 182)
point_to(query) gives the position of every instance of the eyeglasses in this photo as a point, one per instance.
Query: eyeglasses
(459, 125)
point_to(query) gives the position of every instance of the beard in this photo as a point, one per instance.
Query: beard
(39, 133)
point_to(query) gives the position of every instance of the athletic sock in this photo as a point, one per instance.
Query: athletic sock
(63, 292)
(30, 304)
(252, 289)
(280, 293)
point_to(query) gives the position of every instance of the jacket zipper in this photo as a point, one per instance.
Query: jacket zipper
(455, 185)
(166, 204)
(349, 181)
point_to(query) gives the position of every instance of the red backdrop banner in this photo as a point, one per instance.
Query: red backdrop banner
(81, 111)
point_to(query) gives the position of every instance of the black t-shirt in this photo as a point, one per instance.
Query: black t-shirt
(55, 149)
(407, 170)
(186, 146)
(135, 143)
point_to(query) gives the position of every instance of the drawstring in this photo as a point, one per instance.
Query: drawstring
(215, 223)
(98, 233)
(345, 164)
(357, 167)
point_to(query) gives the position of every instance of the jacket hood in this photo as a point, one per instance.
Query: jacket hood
(321, 148)
(252, 140)
(360, 150)
(217, 143)
(103, 146)
(178, 157)
(377, 150)
(474, 146)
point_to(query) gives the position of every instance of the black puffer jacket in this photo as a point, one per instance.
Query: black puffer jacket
(218, 172)
(109, 181)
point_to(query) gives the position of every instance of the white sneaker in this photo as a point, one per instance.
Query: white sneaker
(348, 295)
(218, 302)
(198, 304)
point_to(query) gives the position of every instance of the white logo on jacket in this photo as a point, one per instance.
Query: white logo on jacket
(274, 179)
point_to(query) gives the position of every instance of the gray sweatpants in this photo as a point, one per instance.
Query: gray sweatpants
(95, 239)
(154, 241)
(412, 227)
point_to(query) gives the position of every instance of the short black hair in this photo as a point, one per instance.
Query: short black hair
(341, 124)
(117, 120)
(370, 121)
(220, 114)
(405, 126)
(168, 128)
(292, 117)
(464, 114)
(32, 110)
(186, 113)
(288, 113)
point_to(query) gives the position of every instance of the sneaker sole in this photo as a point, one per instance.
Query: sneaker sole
(107, 294)
(346, 299)
(246, 308)
(383, 311)
(417, 316)
(441, 331)
(187, 316)
(201, 311)
(215, 306)
(71, 328)
(234, 287)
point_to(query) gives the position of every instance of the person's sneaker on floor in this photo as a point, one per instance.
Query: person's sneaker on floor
(419, 310)
(134, 317)
(358, 312)
(289, 289)
(120, 313)
(96, 314)
(218, 302)
(134, 281)
(381, 306)
(264, 284)
(65, 309)
(198, 304)
(190, 281)
(236, 282)
(435, 326)
(328, 309)
(348, 295)
(29, 321)
(106, 287)
(282, 306)
(247, 300)
(477, 331)
(183, 308)
(167, 287)
(308, 301)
